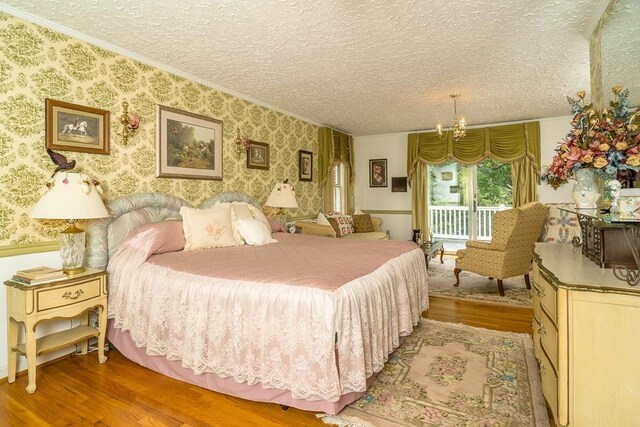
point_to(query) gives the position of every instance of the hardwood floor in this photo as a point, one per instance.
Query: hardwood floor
(79, 391)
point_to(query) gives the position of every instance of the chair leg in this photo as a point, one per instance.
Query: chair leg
(500, 287)
(526, 281)
(456, 272)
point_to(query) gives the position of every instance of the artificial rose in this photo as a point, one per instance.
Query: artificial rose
(633, 160)
(603, 147)
(621, 145)
(600, 162)
(616, 90)
(587, 158)
(581, 94)
(591, 133)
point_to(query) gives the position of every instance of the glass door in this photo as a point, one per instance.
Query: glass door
(464, 198)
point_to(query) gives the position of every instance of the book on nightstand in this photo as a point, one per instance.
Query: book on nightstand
(39, 273)
(31, 282)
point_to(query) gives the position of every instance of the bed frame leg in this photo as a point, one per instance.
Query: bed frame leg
(284, 407)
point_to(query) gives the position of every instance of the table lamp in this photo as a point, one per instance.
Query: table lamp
(72, 197)
(282, 197)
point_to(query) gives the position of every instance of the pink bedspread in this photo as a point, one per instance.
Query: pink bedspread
(279, 316)
(298, 260)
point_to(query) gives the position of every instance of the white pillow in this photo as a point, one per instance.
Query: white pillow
(208, 228)
(358, 211)
(254, 232)
(257, 214)
(242, 210)
(322, 220)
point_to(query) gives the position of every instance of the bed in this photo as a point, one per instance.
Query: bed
(305, 322)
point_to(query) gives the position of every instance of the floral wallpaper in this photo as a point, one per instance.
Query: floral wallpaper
(37, 63)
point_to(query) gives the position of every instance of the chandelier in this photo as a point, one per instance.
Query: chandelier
(459, 128)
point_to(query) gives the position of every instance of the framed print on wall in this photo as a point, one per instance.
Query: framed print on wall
(73, 127)
(258, 155)
(399, 184)
(188, 145)
(305, 165)
(378, 173)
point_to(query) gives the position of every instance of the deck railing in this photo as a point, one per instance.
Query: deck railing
(452, 222)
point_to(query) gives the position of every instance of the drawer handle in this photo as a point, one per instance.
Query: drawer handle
(540, 291)
(542, 330)
(543, 369)
(75, 295)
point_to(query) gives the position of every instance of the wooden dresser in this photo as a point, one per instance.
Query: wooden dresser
(586, 331)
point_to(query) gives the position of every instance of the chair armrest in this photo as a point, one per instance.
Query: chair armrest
(475, 244)
(315, 229)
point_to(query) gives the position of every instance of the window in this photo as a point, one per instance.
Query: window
(338, 188)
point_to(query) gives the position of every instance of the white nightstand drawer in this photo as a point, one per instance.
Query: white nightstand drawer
(549, 339)
(68, 295)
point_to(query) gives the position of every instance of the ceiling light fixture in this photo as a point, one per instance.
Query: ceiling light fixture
(459, 128)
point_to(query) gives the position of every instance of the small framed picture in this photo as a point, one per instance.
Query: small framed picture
(258, 155)
(188, 146)
(399, 184)
(378, 173)
(72, 127)
(305, 165)
(447, 176)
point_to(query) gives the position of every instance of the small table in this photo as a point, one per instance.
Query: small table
(431, 248)
(32, 304)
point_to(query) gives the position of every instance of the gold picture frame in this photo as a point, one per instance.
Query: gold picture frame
(188, 145)
(258, 155)
(74, 127)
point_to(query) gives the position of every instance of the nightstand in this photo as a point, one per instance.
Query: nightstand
(32, 304)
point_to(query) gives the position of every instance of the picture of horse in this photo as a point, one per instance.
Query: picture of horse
(77, 128)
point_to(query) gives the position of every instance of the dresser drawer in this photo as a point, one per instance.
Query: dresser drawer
(549, 339)
(68, 295)
(546, 293)
(549, 384)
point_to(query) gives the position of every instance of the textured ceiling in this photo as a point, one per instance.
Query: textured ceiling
(362, 66)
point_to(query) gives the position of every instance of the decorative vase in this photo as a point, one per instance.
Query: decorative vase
(585, 191)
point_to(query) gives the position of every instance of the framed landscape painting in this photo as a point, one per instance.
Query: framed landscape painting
(72, 127)
(188, 145)
(258, 155)
(378, 173)
(305, 165)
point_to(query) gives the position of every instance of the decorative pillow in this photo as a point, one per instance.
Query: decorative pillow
(257, 214)
(322, 220)
(254, 232)
(340, 225)
(242, 210)
(275, 226)
(208, 228)
(362, 223)
(343, 221)
(157, 237)
(358, 211)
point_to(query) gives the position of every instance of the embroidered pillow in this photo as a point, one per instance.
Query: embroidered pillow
(362, 223)
(254, 232)
(341, 224)
(208, 228)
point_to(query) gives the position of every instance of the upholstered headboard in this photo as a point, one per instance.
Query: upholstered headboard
(229, 196)
(105, 235)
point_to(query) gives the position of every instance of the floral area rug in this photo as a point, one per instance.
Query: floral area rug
(445, 374)
(474, 286)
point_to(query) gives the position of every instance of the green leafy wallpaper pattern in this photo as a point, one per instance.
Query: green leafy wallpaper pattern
(38, 63)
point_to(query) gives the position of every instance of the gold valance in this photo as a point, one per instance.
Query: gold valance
(334, 148)
(506, 143)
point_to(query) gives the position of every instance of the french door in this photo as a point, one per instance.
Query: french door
(464, 198)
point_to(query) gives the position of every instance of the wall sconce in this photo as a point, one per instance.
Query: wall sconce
(129, 121)
(242, 143)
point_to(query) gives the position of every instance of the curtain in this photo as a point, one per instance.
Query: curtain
(335, 148)
(518, 144)
(419, 199)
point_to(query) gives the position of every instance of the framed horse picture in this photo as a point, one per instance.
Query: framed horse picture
(72, 127)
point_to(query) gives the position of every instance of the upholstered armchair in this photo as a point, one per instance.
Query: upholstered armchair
(508, 254)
